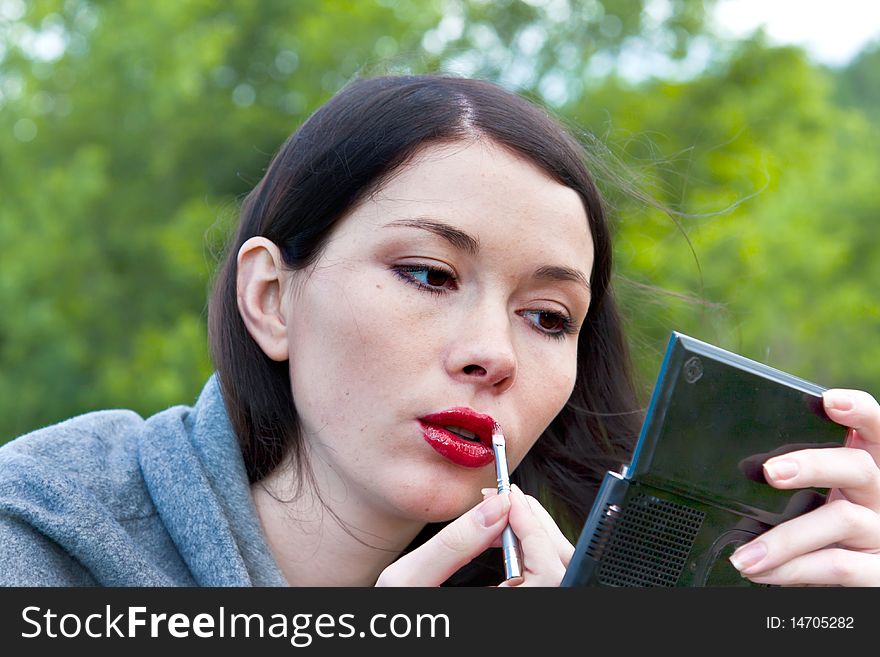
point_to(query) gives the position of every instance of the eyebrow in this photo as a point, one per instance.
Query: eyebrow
(458, 238)
(559, 273)
(471, 245)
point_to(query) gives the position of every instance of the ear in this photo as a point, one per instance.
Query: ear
(260, 293)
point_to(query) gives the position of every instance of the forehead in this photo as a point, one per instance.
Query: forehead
(490, 193)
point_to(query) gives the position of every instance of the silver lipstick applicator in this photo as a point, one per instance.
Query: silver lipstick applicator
(509, 542)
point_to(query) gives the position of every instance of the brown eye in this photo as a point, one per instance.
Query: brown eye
(552, 324)
(437, 278)
(430, 279)
(551, 321)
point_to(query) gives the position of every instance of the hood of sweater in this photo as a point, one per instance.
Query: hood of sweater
(193, 469)
(109, 498)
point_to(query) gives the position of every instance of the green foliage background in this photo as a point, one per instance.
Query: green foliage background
(129, 132)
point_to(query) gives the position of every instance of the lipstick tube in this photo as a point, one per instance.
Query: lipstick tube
(509, 543)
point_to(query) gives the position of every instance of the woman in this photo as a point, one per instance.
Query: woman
(424, 257)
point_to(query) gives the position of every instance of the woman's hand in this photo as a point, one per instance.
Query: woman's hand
(838, 543)
(546, 552)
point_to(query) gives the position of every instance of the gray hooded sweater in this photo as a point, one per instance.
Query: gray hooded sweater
(111, 499)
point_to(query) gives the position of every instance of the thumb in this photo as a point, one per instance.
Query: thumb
(451, 548)
(859, 411)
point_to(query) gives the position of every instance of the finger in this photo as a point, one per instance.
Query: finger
(840, 522)
(858, 410)
(564, 548)
(851, 470)
(541, 563)
(451, 548)
(831, 567)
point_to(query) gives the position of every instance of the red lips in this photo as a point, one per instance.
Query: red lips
(461, 450)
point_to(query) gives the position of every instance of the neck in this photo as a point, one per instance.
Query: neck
(324, 539)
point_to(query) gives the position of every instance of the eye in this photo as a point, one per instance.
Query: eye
(431, 279)
(551, 323)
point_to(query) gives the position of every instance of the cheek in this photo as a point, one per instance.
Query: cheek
(550, 376)
(569, 378)
(546, 389)
(566, 382)
(350, 343)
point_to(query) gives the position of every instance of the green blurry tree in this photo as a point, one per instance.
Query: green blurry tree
(771, 254)
(858, 84)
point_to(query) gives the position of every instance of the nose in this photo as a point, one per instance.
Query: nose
(482, 352)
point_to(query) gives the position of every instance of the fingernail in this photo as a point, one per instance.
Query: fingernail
(516, 489)
(748, 555)
(839, 401)
(781, 470)
(491, 510)
(488, 491)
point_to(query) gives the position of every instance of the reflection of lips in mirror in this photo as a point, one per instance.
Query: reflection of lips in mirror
(802, 501)
(817, 406)
(752, 466)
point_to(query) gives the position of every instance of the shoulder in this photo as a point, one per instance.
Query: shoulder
(29, 558)
(74, 508)
(93, 455)
(70, 437)
(97, 451)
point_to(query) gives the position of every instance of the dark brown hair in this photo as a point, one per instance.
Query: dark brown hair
(340, 155)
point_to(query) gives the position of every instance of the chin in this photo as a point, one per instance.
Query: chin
(440, 508)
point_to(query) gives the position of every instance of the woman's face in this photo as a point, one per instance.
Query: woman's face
(461, 284)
